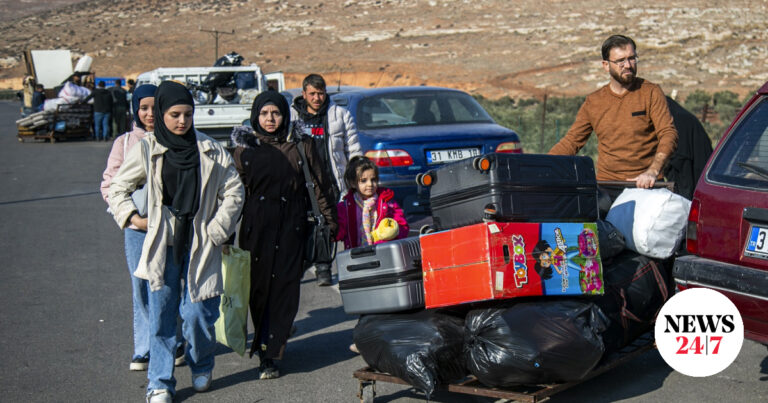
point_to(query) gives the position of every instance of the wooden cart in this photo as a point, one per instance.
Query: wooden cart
(368, 377)
(29, 133)
(67, 122)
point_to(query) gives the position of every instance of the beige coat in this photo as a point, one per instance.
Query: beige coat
(221, 200)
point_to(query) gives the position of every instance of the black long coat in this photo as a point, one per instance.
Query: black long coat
(274, 228)
(694, 147)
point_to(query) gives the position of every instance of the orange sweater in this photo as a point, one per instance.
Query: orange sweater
(630, 129)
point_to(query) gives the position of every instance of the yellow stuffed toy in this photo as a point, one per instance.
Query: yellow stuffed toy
(387, 230)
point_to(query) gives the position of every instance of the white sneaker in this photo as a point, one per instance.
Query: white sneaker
(202, 382)
(159, 396)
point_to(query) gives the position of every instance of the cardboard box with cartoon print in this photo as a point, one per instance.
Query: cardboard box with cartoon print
(506, 260)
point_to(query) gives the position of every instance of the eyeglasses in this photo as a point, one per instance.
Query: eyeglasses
(625, 62)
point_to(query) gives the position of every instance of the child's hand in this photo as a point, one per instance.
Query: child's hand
(387, 230)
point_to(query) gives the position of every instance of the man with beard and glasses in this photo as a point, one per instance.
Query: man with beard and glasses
(629, 115)
(334, 134)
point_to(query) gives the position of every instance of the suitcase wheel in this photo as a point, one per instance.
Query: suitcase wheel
(426, 179)
(482, 164)
(489, 213)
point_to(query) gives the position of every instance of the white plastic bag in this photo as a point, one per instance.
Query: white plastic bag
(84, 64)
(72, 93)
(50, 104)
(652, 220)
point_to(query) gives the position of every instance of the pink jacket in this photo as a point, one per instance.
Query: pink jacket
(347, 212)
(120, 148)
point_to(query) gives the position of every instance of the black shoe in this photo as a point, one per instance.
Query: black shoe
(179, 359)
(268, 369)
(324, 278)
(139, 364)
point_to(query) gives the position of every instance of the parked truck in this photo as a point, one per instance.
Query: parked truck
(223, 95)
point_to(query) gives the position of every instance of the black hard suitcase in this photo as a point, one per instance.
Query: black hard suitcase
(381, 278)
(514, 187)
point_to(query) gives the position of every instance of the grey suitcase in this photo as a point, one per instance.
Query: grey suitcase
(381, 278)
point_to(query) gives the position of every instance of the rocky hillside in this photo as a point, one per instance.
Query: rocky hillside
(491, 47)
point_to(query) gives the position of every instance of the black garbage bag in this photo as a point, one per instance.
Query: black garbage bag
(610, 239)
(636, 288)
(421, 348)
(223, 79)
(533, 342)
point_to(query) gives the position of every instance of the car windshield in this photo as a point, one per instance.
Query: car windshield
(743, 159)
(419, 109)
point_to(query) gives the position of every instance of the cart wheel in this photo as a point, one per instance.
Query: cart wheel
(367, 391)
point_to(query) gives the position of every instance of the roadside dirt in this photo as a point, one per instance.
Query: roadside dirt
(490, 47)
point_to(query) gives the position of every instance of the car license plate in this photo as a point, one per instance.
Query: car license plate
(455, 154)
(758, 241)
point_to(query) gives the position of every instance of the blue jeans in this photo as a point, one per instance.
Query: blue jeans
(102, 122)
(134, 240)
(164, 305)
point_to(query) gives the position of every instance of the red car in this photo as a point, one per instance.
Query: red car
(727, 235)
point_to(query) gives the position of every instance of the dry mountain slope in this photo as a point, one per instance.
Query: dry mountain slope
(493, 47)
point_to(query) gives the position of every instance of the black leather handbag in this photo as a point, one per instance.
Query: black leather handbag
(320, 246)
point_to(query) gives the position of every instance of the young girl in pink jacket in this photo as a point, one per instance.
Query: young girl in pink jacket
(368, 214)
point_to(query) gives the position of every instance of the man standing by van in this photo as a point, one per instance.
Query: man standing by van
(335, 135)
(102, 112)
(630, 118)
(119, 108)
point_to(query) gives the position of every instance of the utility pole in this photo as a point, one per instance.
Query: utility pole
(216, 34)
(543, 119)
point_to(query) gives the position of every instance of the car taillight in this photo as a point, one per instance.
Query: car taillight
(510, 147)
(390, 158)
(691, 237)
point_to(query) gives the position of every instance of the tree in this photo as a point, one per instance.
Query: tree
(696, 100)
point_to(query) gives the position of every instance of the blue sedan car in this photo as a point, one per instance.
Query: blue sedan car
(410, 130)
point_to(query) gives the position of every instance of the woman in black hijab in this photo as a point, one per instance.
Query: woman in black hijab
(274, 224)
(194, 200)
(181, 170)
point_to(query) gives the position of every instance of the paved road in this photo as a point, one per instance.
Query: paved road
(65, 310)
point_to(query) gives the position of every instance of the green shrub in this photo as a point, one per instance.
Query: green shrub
(524, 117)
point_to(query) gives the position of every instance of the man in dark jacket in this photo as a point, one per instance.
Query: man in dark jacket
(334, 135)
(693, 150)
(102, 111)
(119, 108)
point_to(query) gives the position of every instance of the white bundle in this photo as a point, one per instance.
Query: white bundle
(72, 93)
(51, 104)
(652, 220)
(247, 96)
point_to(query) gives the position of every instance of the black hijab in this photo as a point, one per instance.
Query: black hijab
(181, 167)
(274, 98)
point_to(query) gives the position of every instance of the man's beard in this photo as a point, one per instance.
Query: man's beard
(624, 80)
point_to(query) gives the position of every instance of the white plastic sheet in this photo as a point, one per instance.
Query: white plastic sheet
(652, 220)
(72, 93)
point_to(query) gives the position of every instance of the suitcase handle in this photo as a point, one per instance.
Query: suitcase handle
(363, 251)
(629, 184)
(364, 266)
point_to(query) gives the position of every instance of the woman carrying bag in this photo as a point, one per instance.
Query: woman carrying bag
(194, 200)
(274, 227)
